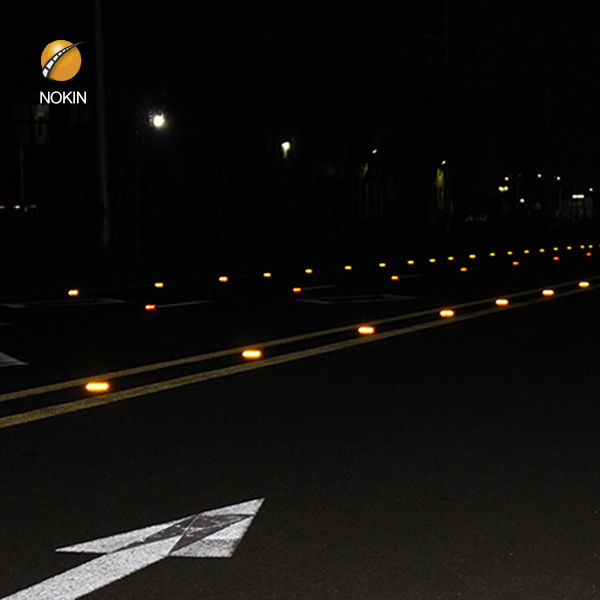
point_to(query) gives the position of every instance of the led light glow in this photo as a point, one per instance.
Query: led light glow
(252, 354)
(149, 307)
(366, 330)
(394, 277)
(556, 258)
(502, 302)
(472, 256)
(97, 386)
(267, 275)
(410, 262)
(492, 254)
(73, 292)
(584, 284)
(547, 292)
(296, 290)
(348, 267)
(308, 271)
(516, 263)
(446, 313)
(223, 278)
(382, 265)
(463, 269)
(159, 284)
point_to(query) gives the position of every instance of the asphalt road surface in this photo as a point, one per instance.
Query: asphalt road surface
(438, 458)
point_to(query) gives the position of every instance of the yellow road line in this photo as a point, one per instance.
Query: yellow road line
(153, 388)
(112, 375)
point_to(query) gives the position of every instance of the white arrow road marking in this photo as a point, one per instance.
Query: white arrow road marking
(9, 361)
(213, 534)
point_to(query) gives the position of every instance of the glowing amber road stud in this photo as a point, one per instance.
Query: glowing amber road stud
(97, 386)
(252, 354)
(547, 293)
(446, 313)
(366, 330)
(502, 302)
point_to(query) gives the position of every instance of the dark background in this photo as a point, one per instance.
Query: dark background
(492, 88)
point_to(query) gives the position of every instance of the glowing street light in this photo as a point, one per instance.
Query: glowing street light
(158, 120)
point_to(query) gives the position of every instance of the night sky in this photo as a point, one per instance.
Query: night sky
(353, 62)
(492, 87)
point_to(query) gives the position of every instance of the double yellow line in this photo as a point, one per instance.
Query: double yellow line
(152, 388)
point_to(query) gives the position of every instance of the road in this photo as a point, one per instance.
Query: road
(446, 458)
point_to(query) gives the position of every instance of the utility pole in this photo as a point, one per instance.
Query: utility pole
(102, 143)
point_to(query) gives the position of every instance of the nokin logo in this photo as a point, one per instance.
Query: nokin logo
(61, 60)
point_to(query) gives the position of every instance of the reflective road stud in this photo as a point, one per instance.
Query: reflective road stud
(366, 330)
(97, 386)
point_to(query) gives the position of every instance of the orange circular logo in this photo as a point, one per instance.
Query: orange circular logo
(61, 60)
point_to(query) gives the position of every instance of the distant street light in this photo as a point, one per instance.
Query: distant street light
(158, 120)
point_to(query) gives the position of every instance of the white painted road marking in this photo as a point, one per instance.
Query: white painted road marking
(9, 361)
(188, 303)
(211, 534)
(364, 299)
(63, 303)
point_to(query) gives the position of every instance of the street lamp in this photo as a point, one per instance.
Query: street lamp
(158, 120)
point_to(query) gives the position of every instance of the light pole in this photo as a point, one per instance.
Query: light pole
(102, 143)
(156, 120)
